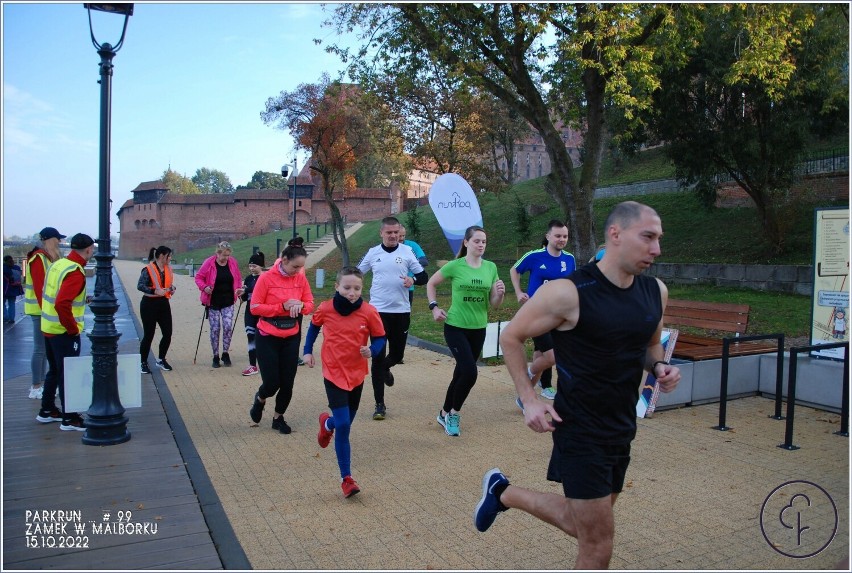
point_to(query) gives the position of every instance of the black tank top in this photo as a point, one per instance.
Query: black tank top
(600, 361)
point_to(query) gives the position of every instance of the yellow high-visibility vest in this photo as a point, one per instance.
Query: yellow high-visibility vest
(49, 318)
(31, 306)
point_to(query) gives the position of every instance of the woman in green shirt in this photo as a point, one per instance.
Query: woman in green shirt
(475, 285)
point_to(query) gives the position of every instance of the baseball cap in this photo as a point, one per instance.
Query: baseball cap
(50, 233)
(81, 241)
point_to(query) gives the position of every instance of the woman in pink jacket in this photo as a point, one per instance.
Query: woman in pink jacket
(280, 298)
(220, 284)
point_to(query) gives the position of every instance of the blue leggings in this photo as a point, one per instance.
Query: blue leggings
(344, 405)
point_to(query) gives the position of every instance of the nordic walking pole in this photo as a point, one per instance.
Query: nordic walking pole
(203, 316)
(234, 324)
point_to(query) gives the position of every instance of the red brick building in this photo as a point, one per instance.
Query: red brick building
(184, 222)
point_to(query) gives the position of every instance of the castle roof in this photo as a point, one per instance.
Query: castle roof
(150, 185)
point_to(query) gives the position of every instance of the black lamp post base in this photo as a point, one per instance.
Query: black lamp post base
(106, 432)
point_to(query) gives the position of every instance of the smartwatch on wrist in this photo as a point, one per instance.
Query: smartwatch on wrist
(433, 304)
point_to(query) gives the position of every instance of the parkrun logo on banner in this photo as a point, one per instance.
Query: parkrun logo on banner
(457, 203)
(455, 206)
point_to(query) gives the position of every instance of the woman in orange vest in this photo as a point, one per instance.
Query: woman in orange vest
(157, 285)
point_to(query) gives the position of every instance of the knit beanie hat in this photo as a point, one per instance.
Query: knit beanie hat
(257, 259)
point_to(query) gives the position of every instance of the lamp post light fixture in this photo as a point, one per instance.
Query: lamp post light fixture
(106, 424)
(285, 172)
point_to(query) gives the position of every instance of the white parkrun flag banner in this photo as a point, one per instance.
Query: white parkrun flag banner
(455, 206)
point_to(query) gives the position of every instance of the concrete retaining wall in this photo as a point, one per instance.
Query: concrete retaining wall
(796, 279)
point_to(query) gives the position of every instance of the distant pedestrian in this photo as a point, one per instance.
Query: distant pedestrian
(390, 262)
(475, 287)
(220, 284)
(281, 297)
(12, 287)
(38, 263)
(156, 282)
(349, 324)
(418, 252)
(256, 264)
(64, 303)
(545, 264)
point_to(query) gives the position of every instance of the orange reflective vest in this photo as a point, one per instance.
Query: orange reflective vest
(154, 272)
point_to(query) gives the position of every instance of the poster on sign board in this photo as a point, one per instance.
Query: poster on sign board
(830, 302)
(455, 206)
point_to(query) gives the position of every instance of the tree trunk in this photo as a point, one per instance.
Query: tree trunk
(769, 218)
(338, 228)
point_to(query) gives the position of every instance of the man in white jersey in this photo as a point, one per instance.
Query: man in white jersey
(390, 263)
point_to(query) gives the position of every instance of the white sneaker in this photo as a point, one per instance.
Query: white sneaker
(36, 393)
(549, 393)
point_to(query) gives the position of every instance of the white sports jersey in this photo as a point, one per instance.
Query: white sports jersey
(387, 293)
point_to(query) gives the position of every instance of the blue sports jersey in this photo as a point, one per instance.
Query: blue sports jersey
(543, 267)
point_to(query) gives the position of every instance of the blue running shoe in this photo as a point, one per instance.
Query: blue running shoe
(452, 425)
(489, 505)
(442, 420)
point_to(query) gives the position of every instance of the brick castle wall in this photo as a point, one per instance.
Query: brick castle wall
(185, 227)
(823, 186)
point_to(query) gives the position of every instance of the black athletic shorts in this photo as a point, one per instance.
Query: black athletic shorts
(586, 470)
(543, 343)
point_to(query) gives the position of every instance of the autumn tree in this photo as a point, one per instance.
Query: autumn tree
(178, 183)
(212, 181)
(544, 61)
(325, 121)
(752, 88)
(443, 121)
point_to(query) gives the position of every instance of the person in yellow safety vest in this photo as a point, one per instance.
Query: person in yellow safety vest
(35, 271)
(62, 307)
(157, 285)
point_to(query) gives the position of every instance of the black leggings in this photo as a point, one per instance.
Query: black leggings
(396, 330)
(278, 359)
(155, 311)
(466, 345)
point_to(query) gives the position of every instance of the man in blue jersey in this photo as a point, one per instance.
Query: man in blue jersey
(545, 264)
(390, 262)
(606, 320)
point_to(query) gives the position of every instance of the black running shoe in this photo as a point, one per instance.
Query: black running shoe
(226, 359)
(145, 368)
(256, 411)
(216, 361)
(280, 425)
(389, 379)
(163, 365)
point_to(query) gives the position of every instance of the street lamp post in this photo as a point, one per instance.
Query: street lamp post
(106, 424)
(285, 170)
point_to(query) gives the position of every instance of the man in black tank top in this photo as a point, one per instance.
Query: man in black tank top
(606, 321)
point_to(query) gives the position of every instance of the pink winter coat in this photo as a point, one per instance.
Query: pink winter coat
(206, 277)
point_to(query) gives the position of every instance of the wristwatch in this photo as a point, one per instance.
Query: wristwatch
(433, 305)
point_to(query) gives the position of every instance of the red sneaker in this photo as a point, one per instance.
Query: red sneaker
(349, 487)
(324, 436)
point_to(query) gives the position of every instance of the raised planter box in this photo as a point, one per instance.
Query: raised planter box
(819, 381)
(743, 378)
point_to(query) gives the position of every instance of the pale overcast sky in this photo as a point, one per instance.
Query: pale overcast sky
(188, 87)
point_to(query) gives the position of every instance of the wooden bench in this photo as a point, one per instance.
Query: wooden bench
(715, 316)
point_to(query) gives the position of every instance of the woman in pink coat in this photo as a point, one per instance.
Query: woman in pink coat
(220, 284)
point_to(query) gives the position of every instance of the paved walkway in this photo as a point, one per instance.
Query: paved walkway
(693, 498)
